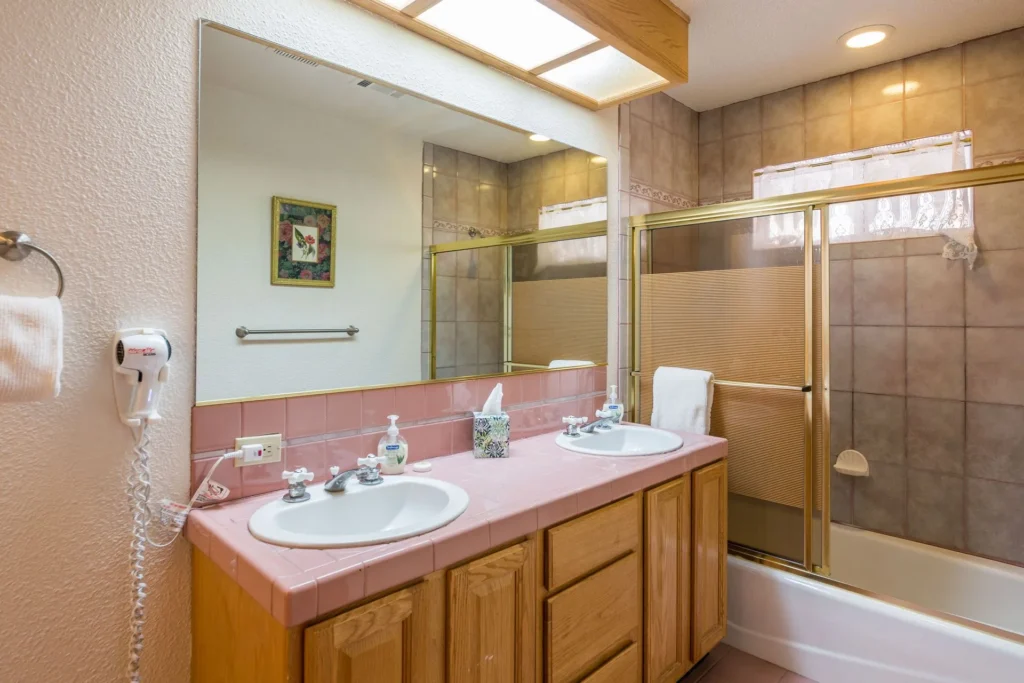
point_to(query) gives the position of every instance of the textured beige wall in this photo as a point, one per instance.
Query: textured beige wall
(97, 160)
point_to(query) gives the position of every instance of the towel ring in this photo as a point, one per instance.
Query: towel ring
(15, 246)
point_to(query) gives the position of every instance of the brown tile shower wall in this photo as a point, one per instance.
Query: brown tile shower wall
(569, 175)
(658, 140)
(927, 364)
(463, 195)
(322, 430)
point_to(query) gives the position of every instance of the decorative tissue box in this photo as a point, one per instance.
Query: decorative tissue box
(490, 435)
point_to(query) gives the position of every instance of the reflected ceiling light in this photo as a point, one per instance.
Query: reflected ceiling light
(866, 36)
(901, 88)
(598, 160)
(537, 137)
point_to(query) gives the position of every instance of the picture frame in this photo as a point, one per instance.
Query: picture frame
(302, 239)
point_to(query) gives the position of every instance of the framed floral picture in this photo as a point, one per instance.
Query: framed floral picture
(302, 243)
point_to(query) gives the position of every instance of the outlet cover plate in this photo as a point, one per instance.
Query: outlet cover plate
(271, 448)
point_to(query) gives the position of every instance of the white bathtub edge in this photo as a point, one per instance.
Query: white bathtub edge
(833, 635)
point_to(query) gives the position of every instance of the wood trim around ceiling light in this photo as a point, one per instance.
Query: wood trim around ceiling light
(569, 57)
(655, 33)
(418, 7)
(652, 32)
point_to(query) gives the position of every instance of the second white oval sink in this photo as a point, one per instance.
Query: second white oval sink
(397, 508)
(622, 440)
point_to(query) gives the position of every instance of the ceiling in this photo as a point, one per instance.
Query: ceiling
(244, 65)
(744, 48)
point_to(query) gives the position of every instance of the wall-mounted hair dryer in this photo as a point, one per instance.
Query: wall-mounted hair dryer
(141, 356)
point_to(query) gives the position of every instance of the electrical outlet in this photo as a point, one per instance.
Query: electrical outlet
(271, 449)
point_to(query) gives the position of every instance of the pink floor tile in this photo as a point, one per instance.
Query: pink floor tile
(263, 417)
(294, 599)
(377, 405)
(344, 411)
(306, 416)
(216, 427)
(739, 667)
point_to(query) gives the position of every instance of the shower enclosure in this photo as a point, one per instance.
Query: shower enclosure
(896, 348)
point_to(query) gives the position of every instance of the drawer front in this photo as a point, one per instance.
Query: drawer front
(581, 545)
(591, 621)
(623, 667)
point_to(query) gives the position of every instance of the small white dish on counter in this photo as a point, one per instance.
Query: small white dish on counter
(622, 440)
(399, 507)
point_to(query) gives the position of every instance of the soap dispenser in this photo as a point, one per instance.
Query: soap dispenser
(613, 406)
(393, 449)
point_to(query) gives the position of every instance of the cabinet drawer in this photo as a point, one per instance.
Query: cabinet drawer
(591, 621)
(623, 667)
(581, 545)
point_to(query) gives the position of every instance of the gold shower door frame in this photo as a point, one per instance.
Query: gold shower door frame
(811, 204)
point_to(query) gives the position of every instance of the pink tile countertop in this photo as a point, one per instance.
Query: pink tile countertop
(538, 485)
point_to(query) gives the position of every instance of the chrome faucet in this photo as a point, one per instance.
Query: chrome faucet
(367, 472)
(572, 425)
(296, 484)
(605, 420)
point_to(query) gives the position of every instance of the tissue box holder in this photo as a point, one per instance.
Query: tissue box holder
(490, 435)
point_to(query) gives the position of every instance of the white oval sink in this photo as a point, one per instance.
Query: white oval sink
(622, 440)
(397, 508)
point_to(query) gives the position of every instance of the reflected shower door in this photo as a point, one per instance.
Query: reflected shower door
(714, 298)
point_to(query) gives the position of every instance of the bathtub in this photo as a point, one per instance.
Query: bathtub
(834, 635)
(935, 578)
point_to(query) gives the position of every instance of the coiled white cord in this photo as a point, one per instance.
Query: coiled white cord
(139, 487)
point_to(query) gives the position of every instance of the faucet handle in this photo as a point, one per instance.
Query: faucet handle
(603, 414)
(299, 476)
(574, 421)
(370, 461)
(334, 469)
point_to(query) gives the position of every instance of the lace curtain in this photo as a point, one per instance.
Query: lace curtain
(571, 252)
(949, 213)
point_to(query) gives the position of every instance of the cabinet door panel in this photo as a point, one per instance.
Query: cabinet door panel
(710, 555)
(493, 618)
(624, 666)
(591, 621)
(667, 587)
(395, 639)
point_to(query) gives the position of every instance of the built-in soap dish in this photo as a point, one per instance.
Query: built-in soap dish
(852, 463)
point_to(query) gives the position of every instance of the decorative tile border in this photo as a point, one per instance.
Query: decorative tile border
(999, 159)
(334, 429)
(660, 196)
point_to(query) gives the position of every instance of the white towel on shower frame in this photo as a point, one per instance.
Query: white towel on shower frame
(682, 400)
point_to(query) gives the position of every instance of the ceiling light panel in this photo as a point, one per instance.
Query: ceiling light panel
(524, 33)
(604, 75)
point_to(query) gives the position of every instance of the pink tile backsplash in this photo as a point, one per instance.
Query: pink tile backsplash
(263, 417)
(377, 405)
(334, 429)
(411, 404)
(216, 427)
(306, 416)
(344, 411)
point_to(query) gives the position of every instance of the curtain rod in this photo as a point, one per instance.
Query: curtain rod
(859, 158)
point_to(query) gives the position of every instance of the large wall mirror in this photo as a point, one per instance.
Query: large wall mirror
(353, 235)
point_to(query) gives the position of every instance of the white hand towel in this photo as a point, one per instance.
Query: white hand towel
(682, 400)
(568, 364)
(31, 348)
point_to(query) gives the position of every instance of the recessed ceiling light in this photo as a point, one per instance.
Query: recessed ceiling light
(866, 36)
(598, 160)
(537, 137)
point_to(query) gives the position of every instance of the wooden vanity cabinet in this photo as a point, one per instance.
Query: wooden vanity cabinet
(394, 639)
(633, 591)
(492, 623)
